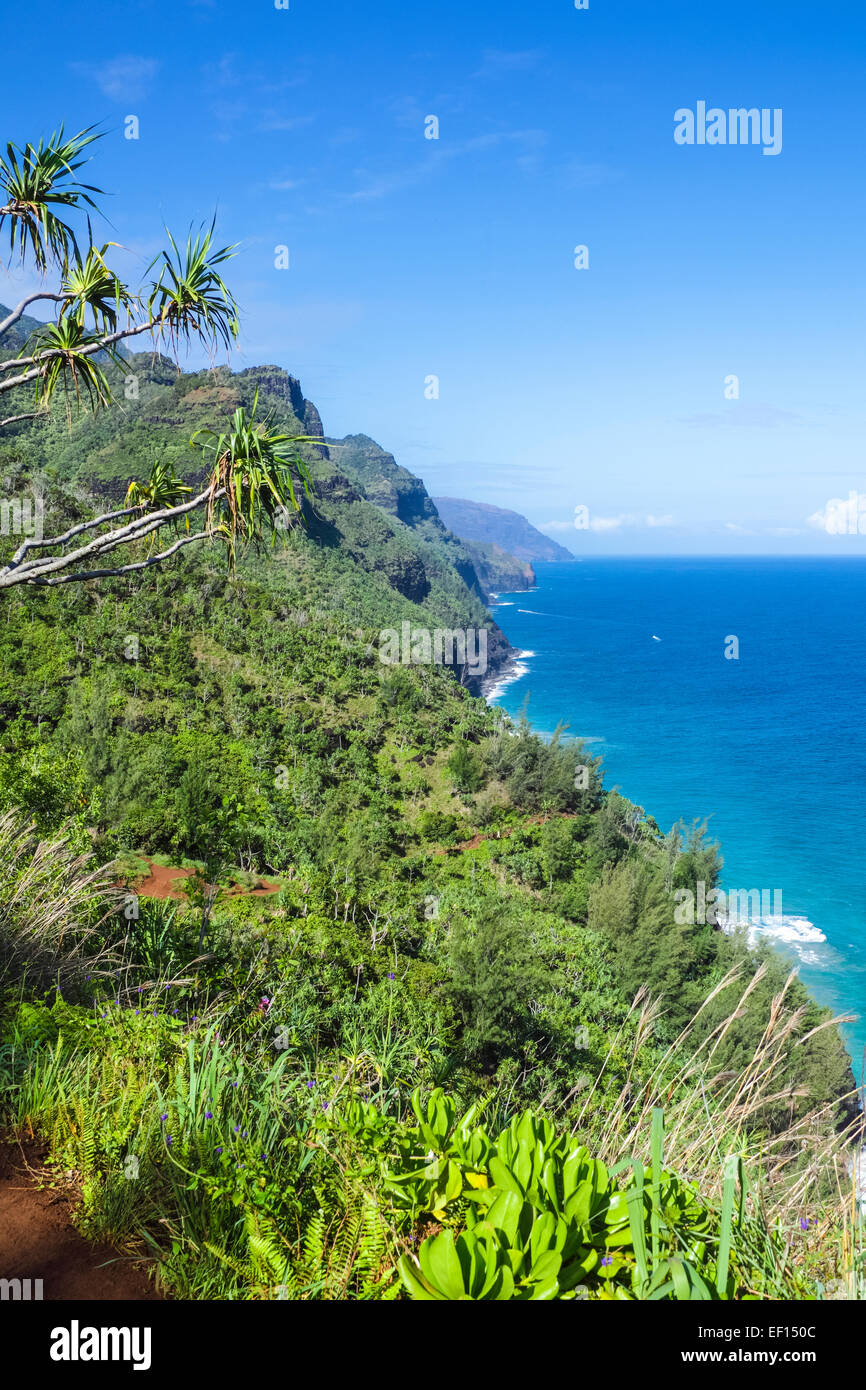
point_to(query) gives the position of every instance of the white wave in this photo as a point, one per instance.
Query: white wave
(809, 957)
(796, 932)
(517, 672)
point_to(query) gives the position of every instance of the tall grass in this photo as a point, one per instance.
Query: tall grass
(195, 1139)
(805, 1172)
(53, 901)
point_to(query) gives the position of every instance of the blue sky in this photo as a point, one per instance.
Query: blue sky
(454, 258)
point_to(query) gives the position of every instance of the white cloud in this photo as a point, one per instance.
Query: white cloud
(124, 78)
(611, 523)
(522, 144)
(841, 516)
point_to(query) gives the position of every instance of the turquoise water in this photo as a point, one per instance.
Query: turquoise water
(768, 747)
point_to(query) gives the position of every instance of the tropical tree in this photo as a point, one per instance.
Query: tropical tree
(254, 477)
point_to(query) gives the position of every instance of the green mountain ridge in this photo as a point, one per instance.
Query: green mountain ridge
(489, 525)
(373, 512)
(484, 568)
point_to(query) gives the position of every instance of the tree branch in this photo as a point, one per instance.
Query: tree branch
(13, 419)
(16, 313)
(37, 571)
(41, 358)
(121, 569)
(73, 531)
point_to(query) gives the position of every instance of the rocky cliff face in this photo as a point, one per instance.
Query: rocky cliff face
(278, 383)
(385, 482)
(499, 572)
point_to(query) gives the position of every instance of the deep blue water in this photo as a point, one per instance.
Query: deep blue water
(769, 747)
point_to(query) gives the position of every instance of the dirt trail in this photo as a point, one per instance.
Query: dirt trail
(39, 1241)
(163, 882)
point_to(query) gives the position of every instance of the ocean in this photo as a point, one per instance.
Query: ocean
(767, 746)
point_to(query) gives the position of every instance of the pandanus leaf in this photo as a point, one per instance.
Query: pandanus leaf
(35, 179)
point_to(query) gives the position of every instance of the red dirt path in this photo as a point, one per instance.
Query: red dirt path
(39, 1241)
(161, 882)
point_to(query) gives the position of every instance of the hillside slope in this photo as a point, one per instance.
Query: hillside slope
(358, 529)
(396, 490)
(478, 521)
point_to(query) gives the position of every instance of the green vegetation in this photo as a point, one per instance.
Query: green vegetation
(466, 1050)
(458, 911)
(251, 472)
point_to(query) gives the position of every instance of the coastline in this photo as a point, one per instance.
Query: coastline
(510, 671)
(793, 936)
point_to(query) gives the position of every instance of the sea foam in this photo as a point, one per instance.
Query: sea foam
(798, 933)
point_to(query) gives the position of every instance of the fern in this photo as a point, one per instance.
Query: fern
(268, 1257)
(314, 1242)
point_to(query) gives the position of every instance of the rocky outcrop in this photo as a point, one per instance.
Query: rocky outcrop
(497, 571)
(385, 482)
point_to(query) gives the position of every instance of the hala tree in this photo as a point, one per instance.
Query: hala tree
(254, 476)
